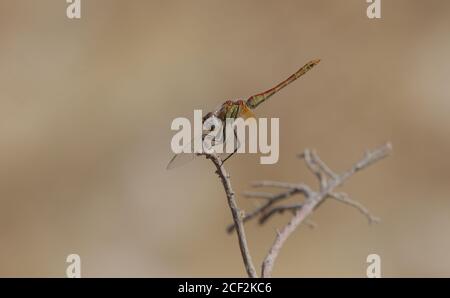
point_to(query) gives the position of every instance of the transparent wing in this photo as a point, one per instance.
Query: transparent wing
(181, 159)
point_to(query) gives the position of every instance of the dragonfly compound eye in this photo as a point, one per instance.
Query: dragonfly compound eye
(207, 116)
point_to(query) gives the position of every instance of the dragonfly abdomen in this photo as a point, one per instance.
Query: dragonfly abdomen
(256, 100)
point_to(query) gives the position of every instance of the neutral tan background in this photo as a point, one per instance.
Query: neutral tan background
(85, 115)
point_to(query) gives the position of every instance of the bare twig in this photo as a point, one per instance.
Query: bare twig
(299, 216)
(315, 168)
(322, 165)
(314, 199)
(236, 213)
(344, 198)
(257, 195)
(293, 190)
(280, 210)
(328, 181)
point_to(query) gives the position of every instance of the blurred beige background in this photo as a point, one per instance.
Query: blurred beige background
(86, 107)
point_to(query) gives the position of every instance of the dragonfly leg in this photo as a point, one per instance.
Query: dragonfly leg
(235, 149)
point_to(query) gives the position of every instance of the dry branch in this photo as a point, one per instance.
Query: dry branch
(328, 182)
(236, 213)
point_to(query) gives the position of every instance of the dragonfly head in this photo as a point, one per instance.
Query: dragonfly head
(207, 116)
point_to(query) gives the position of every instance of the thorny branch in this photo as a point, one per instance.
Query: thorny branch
(236, 213)
(328, 182)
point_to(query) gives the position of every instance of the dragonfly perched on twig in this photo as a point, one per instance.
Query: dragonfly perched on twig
(233, 109)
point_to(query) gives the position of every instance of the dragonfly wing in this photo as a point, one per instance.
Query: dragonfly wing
(210, 141)
(180, 159)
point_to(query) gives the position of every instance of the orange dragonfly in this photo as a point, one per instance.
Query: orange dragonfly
(240, 109)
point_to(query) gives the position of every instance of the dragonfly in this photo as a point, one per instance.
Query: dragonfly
(233, 109)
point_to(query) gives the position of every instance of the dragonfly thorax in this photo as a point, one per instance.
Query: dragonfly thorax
(230, 109)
